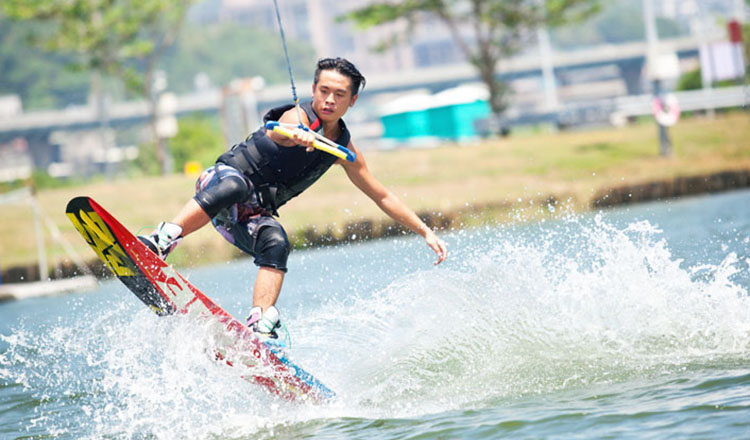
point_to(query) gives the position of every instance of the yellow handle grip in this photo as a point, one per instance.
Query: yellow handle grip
(316, 144)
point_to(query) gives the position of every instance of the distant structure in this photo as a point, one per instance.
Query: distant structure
(694, 12)
(599, 84)
(430, 44)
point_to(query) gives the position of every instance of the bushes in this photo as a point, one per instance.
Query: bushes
(199, 139)
(690, 80)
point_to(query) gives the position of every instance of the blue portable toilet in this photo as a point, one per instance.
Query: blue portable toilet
(407, 118)
(454, 111)
(449, 114)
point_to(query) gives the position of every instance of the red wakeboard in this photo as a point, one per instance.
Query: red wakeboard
(166, 292)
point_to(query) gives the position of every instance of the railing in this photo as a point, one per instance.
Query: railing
(608, 111)
(691, 100)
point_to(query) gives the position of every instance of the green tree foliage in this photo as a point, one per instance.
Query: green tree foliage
(486, 31)
(122, 38)
(117, 37)
(53, 80)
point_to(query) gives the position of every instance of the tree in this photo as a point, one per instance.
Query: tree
(122, 38)
(41, 80)
(486, 31)
(56, 80)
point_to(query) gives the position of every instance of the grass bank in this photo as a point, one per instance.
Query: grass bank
(502, 175)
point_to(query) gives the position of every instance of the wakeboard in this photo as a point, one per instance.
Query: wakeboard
(166, 292)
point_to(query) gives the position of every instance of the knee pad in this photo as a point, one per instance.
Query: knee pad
(225, 193)
(272, 247)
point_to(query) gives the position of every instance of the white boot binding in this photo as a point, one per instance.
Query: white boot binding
(265, 323)
(164, 239)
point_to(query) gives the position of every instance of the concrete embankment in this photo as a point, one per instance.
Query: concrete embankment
(677, 187)
(614, 196)
(62, 270)
(16, 291)
(370, 229)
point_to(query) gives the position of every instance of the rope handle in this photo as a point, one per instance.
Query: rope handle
(321, 142)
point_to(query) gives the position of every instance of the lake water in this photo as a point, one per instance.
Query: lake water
(628, 323)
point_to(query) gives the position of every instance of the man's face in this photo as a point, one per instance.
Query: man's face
(332, 95)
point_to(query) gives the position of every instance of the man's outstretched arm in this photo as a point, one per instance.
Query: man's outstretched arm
(389, 203)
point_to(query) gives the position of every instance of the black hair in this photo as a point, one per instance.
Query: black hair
(344, 67)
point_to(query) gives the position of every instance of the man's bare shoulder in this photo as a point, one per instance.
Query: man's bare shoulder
(292, 116)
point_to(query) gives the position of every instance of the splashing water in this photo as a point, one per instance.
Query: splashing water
(528, 319)
(583, 304)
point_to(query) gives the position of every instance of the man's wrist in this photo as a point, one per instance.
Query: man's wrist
(425, 231)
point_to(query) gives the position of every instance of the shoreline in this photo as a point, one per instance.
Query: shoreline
(368, 229)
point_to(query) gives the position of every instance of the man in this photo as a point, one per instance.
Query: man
(241, 192)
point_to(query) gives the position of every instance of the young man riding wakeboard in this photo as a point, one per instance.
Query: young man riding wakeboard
(241, 193)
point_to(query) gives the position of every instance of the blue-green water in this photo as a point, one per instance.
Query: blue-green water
(630, 323)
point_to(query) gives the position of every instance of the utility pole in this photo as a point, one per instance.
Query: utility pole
(706, 61)
(41, 249)
(548, 70)
(100, 103)
(652, 40)
(551, 103)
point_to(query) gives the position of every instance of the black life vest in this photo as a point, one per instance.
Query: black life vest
(280, 173)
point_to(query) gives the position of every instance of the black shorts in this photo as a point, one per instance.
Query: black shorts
(243, 222)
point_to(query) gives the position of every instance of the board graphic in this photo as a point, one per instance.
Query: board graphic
(166, 292)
